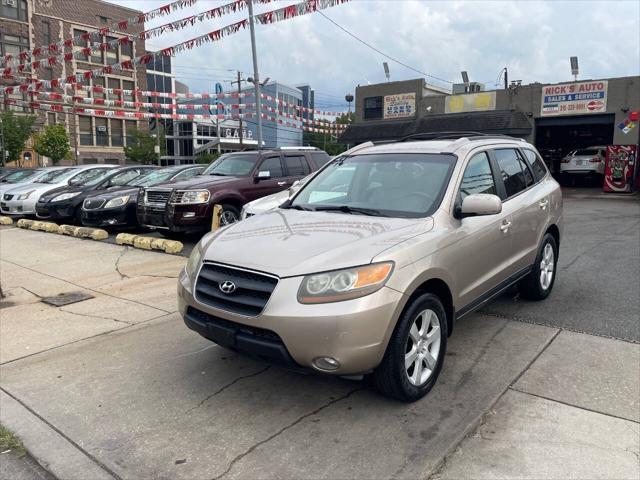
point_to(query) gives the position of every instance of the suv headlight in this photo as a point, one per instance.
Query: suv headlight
(345, 284)
(24, 196)
(117, 202)
(65, 196)
(194, 262)
(193, 196)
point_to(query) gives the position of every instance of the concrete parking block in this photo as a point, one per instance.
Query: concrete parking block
(170, 404)
(36, 327)
(527, 437)
(590, 372)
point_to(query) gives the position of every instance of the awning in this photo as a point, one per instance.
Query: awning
(506, 122)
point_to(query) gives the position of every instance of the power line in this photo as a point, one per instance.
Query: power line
(382, 53)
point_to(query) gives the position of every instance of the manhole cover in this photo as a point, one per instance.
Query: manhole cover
(66, 298)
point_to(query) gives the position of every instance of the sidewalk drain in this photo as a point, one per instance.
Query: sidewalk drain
(63, 299)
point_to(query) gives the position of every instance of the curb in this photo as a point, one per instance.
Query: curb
(72, 230)
(49, 447)
(6, 220)
(149, 243)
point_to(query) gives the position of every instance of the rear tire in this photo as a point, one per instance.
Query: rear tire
(539, 283)
(415, 353)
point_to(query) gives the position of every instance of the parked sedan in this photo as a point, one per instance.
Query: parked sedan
(116, 207)
(585, 161)
(22, 199)
(19, 176)
(65, 203)
(270, 202)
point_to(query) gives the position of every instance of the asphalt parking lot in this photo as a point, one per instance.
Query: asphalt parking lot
(117, 387)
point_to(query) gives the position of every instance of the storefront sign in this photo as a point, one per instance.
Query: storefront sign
(235, 133)
(470, 102)
(400, 105)
(574, 98)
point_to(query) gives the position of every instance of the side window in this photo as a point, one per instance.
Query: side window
(320, 158)
(272, 165)
(192, 172)
(512, 169)
(296, 166)
(477, 177)
(537, 165)
(123, 178)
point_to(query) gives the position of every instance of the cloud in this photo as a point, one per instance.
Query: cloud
(532, 39)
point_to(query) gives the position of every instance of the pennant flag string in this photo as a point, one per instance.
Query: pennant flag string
(140, 93)
(302, 8)
(96, 35)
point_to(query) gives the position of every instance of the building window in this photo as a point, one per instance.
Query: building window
(130, 127)
(126, 50)
(103, 20)
(46, 33)
(102, 137)
(113, 83)
(116, 133)
(47, 73)
(51, 118)
(373, 107)
(98, 82)
(127, 85)
(14, 9)
(82, 44)
(86, 136)
(97, 55)
(112, 52)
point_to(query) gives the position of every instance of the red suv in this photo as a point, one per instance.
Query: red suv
(230, 181)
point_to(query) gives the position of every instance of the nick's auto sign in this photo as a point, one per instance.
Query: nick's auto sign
(574, 98)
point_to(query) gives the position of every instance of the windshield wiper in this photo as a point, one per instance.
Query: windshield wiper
(347, 209)
(288, 205)
(219, 174)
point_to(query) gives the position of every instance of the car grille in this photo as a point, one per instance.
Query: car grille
(7, 196)
(251, 294)
(93, 203)
(156, 199)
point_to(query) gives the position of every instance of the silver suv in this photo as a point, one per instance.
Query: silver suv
(367, 267)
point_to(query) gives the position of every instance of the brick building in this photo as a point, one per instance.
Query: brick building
(27, 24)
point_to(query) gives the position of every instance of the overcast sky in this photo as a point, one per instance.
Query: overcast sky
(533, 39)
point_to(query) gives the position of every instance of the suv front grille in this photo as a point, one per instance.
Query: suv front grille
(251, 294)
(156, 199)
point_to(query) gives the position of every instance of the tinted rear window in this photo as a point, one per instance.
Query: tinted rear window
(588, 151)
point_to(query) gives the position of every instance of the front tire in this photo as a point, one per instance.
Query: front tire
(415, 353)
(539, 283)
(228, 215)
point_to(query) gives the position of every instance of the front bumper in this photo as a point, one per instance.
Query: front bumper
(18, 207)
(123, 216)
(176, 218)
(63, 210)
(354, 332)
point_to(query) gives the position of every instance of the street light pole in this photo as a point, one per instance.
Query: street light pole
(240, 110)
(256, 77)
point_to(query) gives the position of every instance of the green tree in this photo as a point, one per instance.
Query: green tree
(16, 130)
(206, 158)
(53, 143)
(141, 147)
(326, 142)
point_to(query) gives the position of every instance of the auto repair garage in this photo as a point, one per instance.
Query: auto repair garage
(556, 118)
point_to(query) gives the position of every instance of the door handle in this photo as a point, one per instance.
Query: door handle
(505, 226)
(281, 183)
(543, 204)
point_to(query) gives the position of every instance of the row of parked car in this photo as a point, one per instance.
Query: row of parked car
(174, 200)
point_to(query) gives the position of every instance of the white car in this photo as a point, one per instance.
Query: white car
(270, 202)
(22, 177)
(584, 161)
(22, 199)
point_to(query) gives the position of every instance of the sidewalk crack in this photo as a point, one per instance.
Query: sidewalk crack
(95, 316)
(117, 265)
(284, 429)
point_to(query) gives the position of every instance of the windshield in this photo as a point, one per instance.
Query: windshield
(153, 177)
(394, 185)
(90, 177)
(233, 165)
(55, 176)
(21, 176)
(587, 151)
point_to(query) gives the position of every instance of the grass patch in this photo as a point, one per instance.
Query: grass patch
(8, 441)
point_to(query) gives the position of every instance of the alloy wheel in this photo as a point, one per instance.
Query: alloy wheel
(227, 217)
(423, 347)
(547, 265)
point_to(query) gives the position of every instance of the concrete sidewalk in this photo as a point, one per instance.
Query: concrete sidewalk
(117, 387)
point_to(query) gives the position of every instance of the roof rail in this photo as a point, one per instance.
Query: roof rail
(456, 136)
(296, 148)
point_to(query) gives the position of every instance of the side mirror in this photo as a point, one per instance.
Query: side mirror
(479, 204)
(263, 175)
(295, 186)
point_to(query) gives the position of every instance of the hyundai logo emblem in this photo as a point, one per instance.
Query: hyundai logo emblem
(227, 287)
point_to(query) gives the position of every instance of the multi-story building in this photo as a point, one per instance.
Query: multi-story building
(160, 78)
(26, 24)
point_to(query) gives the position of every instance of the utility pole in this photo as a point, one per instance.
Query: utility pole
(506, 79)
(240, 110)
(256, 77)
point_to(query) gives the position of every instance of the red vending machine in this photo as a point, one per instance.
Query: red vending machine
(619, 168)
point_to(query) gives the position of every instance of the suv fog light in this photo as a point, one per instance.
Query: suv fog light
(326, 363)
(189, 214)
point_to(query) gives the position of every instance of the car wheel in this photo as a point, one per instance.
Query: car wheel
(538, 284)
(228, 215)
(415, 353)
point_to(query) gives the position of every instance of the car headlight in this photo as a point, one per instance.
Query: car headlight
(24, 196)
(345, 284)
(65, 196)
(193, 196)
(117, 202)
(194, 262)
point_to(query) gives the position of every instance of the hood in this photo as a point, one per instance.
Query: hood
(114, 192)
(267, 203)
(62, 189)
(292, 242)
(38, 187)
(199, 181)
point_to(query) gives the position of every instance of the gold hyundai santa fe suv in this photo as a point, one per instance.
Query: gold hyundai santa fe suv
(365, 270)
